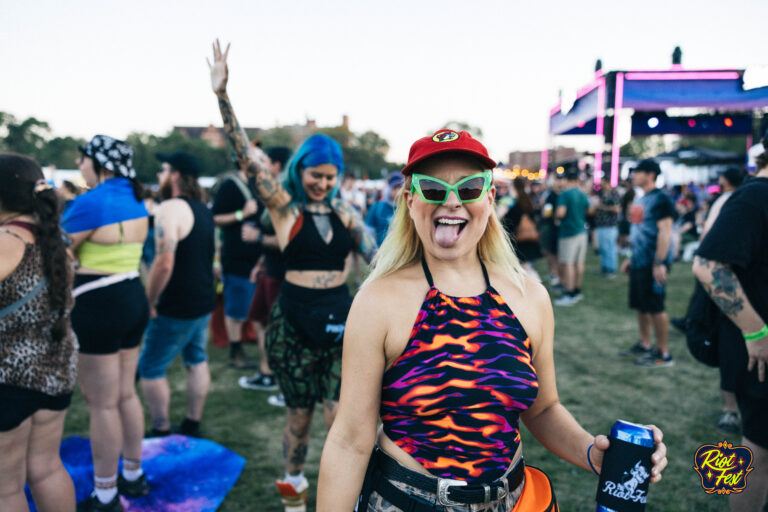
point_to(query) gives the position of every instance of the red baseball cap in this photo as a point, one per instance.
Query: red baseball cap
(446, 140)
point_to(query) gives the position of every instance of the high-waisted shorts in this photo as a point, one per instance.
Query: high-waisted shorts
(110, 318)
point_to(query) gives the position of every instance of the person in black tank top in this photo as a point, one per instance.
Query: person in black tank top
(316, 232)
(180, 292)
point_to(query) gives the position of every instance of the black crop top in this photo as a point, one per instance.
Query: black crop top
(306, 249)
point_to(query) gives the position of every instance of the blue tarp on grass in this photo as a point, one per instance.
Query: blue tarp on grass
(185, 474)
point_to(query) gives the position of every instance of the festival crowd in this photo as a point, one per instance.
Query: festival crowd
(105, 289)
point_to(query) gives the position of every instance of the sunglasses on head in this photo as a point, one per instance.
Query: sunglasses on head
(468, 190)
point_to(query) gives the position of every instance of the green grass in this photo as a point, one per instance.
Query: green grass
(594, 383)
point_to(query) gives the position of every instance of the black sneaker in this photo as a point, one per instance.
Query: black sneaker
(729, 422)
(239, 361)
(135, 488)
(655, 360)
(189, 428)
(259, 381)
(92, 504)
(638, 349)
(157, 433)
(678, 323)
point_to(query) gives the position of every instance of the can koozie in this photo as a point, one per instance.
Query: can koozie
(625, 476)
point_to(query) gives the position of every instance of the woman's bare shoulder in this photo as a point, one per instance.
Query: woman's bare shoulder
(398, 284)
(11, 252)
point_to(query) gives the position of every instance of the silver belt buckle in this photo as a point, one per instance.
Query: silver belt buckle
(502, 492)
(442, 491)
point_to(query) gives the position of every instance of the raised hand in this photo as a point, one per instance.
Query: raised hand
(219, 70)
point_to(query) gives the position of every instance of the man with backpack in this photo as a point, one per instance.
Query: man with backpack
(233, 205)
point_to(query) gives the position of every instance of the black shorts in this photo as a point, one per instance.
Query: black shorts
(754, 418)
(641, 291)
(110, 318)
(18, 404)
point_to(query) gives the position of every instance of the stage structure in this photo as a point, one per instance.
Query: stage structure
(672, 101)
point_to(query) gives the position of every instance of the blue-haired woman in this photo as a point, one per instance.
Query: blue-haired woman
(316, 232)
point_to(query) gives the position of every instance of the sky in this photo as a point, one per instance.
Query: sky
(400, 68)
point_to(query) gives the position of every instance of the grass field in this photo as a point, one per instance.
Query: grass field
(595, 384)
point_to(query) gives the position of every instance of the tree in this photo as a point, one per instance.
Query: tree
(26, 137)
(732, 144)
(280, 136)
(364, 155)
(61, 152)
(643, 147)
(458, 126)
(213, 161)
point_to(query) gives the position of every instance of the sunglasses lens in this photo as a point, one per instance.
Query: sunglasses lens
(432, 190)
(471, 189)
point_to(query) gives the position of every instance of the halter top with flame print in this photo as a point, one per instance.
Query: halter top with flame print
(452, 399)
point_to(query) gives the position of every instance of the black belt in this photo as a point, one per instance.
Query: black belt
(449, 492)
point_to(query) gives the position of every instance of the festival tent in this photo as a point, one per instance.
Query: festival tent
(724, 101)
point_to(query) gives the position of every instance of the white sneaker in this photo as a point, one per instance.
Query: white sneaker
(277, 400)
(565, 300)
(577, 298)
(294, 498)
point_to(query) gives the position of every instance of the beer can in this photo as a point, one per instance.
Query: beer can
(626, 469)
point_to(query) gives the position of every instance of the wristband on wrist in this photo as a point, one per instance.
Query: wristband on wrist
(762, 333)
(657, 261)
(590, 460)
(239, 215)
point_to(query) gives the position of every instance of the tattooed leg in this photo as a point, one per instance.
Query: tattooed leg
(296, 439)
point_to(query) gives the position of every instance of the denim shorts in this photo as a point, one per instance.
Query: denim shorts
(168, 337)
(238, 293)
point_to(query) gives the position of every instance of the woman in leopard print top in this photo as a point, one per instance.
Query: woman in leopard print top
(38, 351)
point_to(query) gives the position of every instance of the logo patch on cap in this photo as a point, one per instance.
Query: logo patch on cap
(445, 136)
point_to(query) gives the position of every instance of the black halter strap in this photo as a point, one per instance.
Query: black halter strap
(428, 274)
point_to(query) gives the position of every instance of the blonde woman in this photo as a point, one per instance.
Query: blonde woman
(449, 342)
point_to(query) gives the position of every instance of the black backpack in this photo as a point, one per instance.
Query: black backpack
(701, 327)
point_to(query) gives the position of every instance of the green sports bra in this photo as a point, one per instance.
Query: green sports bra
(111, 259)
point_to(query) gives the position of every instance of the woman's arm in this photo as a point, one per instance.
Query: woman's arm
(251, 159)
(351, 439)
(551, 423)
(365, 243)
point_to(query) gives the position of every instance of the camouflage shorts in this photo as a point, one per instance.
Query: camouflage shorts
(377, 503)
(305, 375)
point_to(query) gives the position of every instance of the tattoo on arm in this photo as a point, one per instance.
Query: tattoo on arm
(364, 242)
(164, 242)
(725, 289)
(270, 192)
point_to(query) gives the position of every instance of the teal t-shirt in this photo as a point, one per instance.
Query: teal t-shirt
(576, 205)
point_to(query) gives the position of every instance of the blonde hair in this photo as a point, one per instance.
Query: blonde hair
(402, 246)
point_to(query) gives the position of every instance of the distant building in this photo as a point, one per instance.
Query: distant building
(217, 138)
